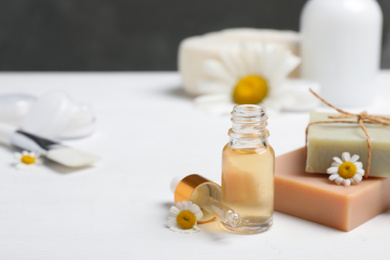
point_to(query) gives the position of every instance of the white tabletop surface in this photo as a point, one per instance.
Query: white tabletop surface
(148, 131)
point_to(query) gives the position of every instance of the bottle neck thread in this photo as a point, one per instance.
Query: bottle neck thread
(249, 124)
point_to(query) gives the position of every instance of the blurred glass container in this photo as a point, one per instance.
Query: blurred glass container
(341, 46)
(55, 115)
(14, 107)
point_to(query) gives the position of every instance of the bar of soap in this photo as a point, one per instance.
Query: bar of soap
(328, 140)
(193, 51)
(313, 197)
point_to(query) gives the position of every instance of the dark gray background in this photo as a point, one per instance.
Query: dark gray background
(120, 35)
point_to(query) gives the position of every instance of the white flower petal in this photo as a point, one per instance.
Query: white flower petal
(337, 159)
(20, 166)
(171, 221)
(333, 177)
(249, 58)
(357, 178)
(332, 170)
(174, 210)
(354, 158)
(213, 86)
(233, 63)
(185, 204)
(347, 182)
(289, 64)
(199, 215)
(359, 165)
(281, 65)
(360, 171)
(269, 59)
(216, 70)
(193, 208)
(196, 210)
(260, 64)
(339, 180)
(180, 206)
(335, 164)
(176, 228)
(346, 156)
(38, 161)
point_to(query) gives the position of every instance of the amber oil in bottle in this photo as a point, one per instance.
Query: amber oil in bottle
(248, 170)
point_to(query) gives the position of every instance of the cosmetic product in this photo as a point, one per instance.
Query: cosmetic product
(53, 150)
(207, 195)
(14, 107)
(248, 170)
(315, 198)
(55, 115)
(341, 45)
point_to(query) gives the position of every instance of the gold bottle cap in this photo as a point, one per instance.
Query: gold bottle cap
(196, 188)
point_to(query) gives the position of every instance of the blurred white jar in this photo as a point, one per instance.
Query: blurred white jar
(341, 46)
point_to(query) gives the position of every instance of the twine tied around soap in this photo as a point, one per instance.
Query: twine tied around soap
(362, 119)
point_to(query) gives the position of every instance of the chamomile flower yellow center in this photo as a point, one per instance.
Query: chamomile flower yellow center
(251, 89)
(27, 159)
(347, 170)
(186, 219)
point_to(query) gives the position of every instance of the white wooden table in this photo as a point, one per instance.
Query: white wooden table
(148, 131)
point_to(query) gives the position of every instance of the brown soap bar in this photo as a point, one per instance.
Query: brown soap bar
(313, 197)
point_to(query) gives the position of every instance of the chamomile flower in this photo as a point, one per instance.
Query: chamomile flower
(346, 170)
(252, 74)
(26, 160)
(184, 216)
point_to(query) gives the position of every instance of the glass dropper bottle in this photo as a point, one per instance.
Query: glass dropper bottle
(207, 195)
(248, 166)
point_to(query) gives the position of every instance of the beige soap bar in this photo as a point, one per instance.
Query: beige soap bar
(332, 139)
(313, 197)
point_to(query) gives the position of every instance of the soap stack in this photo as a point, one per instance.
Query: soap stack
(302, 187)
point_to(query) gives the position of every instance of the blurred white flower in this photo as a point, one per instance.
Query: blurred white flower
(252, 74)
(184, 216)
(26, 160)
